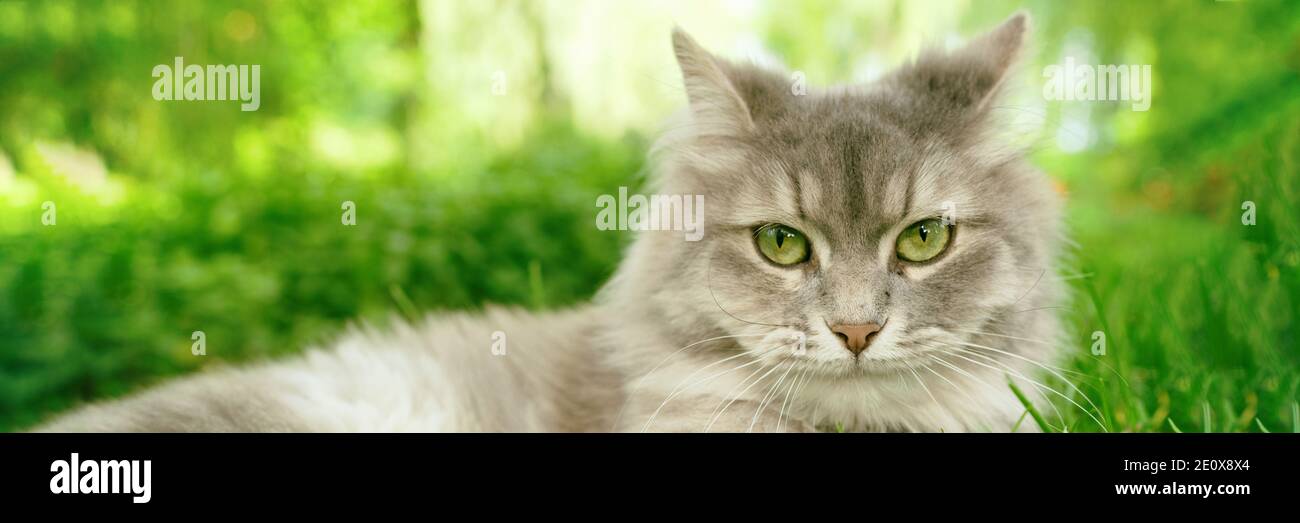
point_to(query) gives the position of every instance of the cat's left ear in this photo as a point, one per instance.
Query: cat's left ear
(968, 78)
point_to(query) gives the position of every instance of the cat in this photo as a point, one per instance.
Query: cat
(874, 260)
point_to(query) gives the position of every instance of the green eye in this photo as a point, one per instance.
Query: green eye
(783, 245)
(923, 240)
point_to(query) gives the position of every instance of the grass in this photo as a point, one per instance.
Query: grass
(1030, 409)
(1198, 311)
(228, 222)
(105, 301)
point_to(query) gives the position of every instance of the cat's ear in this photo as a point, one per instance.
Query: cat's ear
(969, 77)
(716, 105)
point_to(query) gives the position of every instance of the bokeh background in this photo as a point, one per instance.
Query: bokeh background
(174, 217)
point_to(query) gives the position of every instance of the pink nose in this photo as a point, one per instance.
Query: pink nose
(856, 338)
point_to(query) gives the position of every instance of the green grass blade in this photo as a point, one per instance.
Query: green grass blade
(404, 304)
(1261, 426)
(1029, 407)
(536, 290)
(1174, 426)
(1019, 421)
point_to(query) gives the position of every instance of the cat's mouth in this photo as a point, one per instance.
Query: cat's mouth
(849, 366)
(825, 354)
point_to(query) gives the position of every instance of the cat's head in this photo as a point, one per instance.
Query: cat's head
(874, 224)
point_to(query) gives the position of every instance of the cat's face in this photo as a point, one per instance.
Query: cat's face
(860, 230)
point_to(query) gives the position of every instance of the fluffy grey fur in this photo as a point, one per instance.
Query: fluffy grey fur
(706, 336)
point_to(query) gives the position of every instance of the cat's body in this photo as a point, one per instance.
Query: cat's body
(709, 335)
(439, 375)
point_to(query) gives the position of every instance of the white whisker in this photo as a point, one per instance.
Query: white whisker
(927, 389)
(679, 388)
(742, 393)
(1036, 384)
(619, 420)
(1045, 367)
(798, 381)
(770, 394)
(1055, 410)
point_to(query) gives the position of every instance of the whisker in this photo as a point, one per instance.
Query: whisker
(995, 390)
(925, 388)
(1046, 367)
(1037, 384)
(742, 383)
(944, 378)
(1031, 287)
(970, 400)
(1055, 410)
(708, 282)
(679, 389)
(619, 420)
(1040, 342)
(1113, 370)
(1043, 309)
(770, 394)
(798, 382)
(742, 393)
(963, 372)
(968, 397)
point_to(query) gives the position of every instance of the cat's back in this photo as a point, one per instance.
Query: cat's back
(502, 369)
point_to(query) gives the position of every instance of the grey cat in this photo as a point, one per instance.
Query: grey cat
(874, 260)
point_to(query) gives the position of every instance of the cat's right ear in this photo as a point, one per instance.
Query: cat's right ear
(968, 78)
(716, 106)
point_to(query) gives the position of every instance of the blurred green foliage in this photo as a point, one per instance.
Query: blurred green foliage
(174, 217)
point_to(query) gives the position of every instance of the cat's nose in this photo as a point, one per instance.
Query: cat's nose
(856, 338)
